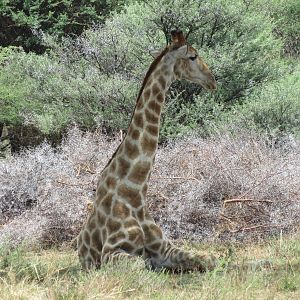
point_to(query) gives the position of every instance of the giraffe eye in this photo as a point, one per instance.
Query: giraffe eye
(193, 57)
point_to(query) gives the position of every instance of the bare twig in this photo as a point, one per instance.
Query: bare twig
(73, 184)
(255, 227)
(245, 200)
(122, 292)
(174, 178)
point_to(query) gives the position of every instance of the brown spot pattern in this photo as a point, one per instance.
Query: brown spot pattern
(140, 214)
(152, 232)
(150, 117)
(138, 120)
(100, 218)
(146, 95)
(112, 166)
(120, 210)
(92, 224)
(112, 225)
(100, 193)
(155, 89)
(117, 237)
(156, 231)
(83, 251)
(105, 204)
(86, 238)
(139, 172)
(123, 167)
(140, 104)
(95, 255)
(144, 190)
(160, 98)
(131, 195)
(96, 239)
(148, 145)
(111, 182)
(135, 134)
(155, 246)
(127, 247)
(153, 130)
(131, 150)
(131, 223)
(135, 233)
(155, 106)
(104, 234)
(162, 82)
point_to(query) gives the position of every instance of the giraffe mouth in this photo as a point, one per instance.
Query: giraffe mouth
(212, 86)
(207, 85)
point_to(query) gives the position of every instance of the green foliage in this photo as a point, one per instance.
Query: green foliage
(273, 109)
(20, 21)
(181, 117)
(15, 261)
(93, 79)
(286, 15)
(235, 39)
(13, 91)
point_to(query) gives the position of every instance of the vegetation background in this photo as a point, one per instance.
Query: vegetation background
(66, 62)
(228, 165)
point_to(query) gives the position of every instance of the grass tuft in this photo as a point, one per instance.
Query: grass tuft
(56, 274)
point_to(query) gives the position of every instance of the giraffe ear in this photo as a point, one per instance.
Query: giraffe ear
(182, 51)
(155, 53)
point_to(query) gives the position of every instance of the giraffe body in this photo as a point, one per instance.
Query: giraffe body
(120, 225)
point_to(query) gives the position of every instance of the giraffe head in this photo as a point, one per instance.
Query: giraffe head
(189, 65)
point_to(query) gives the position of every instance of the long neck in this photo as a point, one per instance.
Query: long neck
(144, 127)
(134, 158)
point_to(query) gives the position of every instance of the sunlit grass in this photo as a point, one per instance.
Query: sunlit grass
(56, 274)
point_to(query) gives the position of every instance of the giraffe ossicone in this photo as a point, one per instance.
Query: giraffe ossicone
(119, 224)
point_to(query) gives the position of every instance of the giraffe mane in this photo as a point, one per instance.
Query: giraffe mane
(149, 72)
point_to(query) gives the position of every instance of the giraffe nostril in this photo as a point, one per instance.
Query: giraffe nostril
(212, 85)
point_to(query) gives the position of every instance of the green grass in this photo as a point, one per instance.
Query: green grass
(56, 274)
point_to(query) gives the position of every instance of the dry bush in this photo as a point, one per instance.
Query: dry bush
(232, 188)
(45, 192)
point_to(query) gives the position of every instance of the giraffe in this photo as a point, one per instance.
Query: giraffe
(120, 225)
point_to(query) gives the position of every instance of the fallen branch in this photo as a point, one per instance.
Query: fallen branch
(245, 200)
(73, 184)
(227, 218)
(254, 227)
(121, 292)
(176, 177)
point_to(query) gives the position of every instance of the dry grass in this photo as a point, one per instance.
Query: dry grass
(55, 274)
(232, 188)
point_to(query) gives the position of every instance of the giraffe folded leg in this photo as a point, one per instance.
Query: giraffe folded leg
(172, 258)
(161, 254)
(115, 255)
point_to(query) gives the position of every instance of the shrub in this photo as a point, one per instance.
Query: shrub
(93, 80)
(21, 20)
(286, 15)
(234, 188)
(273, 109)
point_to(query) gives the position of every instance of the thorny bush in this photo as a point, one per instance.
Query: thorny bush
(227, 187)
